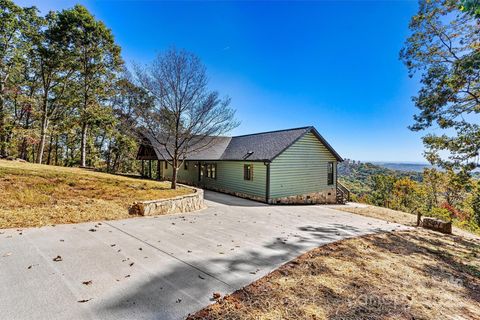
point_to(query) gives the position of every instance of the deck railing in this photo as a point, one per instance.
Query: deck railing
(343, 194)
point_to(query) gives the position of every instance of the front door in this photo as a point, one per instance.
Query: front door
(201, 170)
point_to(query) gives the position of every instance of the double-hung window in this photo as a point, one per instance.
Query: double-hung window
(211, 170)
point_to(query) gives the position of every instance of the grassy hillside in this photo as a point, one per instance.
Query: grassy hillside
(36, 195)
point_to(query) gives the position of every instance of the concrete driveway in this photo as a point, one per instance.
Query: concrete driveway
(159, 267)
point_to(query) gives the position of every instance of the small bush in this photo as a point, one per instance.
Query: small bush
(440, 213)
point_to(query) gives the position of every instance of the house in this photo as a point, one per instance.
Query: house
(278, 167)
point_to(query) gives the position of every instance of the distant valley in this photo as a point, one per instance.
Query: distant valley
(357, 175)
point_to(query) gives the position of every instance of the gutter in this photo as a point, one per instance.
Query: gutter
(267, 182)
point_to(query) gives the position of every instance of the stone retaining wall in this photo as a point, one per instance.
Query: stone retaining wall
(323, 197)
(186, 203)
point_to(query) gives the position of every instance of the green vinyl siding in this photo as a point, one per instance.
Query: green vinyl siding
(301, 169)
(229, 177)
(189, 176)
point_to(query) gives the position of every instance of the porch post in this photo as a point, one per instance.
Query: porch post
(158, 170)
(143, 169)
(150, 169)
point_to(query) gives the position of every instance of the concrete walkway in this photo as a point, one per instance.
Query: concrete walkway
(159, 267)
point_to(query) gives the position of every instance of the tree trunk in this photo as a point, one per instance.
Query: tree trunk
(419, 218)
(174, 174)
(3, 147)
(43, 132)
(56, 150)
(50, 146)
(83, 146)
(23, 149)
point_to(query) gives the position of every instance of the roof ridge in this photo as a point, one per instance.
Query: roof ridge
(273, 131)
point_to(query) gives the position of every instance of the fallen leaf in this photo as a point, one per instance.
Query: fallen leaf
(201, 277)
(178, 300)
(131, 264)
(92, 230)
(113, 245)
(85, 300)
(216, 296)
(57, 258)
(87, 283)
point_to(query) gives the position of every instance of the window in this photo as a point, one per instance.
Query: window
(185, 165)
(247, 172)
(330, 173)
(211, 170)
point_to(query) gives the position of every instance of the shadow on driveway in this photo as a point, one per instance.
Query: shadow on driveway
(225, 199)
(175, 293)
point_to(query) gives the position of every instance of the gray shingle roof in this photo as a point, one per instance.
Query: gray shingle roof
(264, 146)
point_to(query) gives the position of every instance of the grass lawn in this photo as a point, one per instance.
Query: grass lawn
(33, 195)
(415, 274)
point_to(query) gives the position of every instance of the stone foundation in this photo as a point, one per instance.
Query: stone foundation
(321, 197)
(180, 204)
(437, 225)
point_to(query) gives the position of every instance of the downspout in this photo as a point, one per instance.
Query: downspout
(267, 182)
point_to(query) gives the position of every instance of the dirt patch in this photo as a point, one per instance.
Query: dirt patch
(415, 274)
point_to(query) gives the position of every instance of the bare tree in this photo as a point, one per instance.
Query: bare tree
(185, 114)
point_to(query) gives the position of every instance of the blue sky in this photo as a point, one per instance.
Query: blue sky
(330, 64)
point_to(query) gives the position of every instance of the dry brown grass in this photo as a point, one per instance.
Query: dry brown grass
(33, 195)
(415, 274)
(389, 215)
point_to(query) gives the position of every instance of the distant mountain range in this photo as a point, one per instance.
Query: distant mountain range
(411, 166)
(403, 166)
